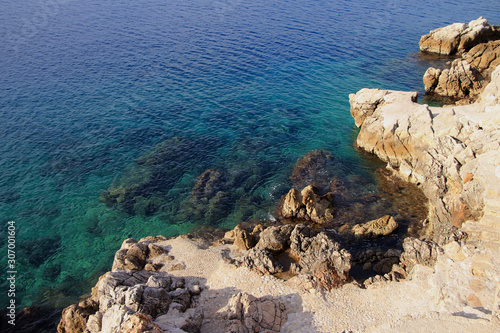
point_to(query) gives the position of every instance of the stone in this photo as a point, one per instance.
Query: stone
(320, 257)
(292, 204)
(156, 250)
(74, 317)
(243, 239)
(275, 239)
(485, 57)
(460, 81)
(419, 252)
(131, 256)
(182, 297)
(208, 184)
(383, 226)
(458, 37)
(247, 313)
(261, 261)
(308, 205)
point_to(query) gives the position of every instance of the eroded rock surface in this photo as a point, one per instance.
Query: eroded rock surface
(308, 205)
(383, 226)
(320, 257)
(459, 37)
(247, 314)
(435, 148)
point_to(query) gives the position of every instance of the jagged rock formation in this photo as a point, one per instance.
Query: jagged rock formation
(436, 148)
(453, 154)
(247, 314)
(466, 78)
(321, 259)
(460, 81)
(134, 255)
(262, 261)
(307, 205)
(485, 57)
(383, 226)
(459, 37)
(275, 239)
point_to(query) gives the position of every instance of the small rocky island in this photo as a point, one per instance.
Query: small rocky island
(296, 275)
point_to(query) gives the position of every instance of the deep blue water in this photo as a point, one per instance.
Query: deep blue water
(86, 87)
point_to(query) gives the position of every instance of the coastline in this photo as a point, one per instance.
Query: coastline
(210, 268)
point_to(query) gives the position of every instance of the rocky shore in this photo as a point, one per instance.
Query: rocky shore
(296, 275)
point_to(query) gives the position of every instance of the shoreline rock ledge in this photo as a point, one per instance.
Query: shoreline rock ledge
(453, 154)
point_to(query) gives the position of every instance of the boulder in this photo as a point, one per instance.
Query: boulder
(275, 239)
(261, 261)
(247, 313)
(308, 205)
(419, 252)
(74, 317)
(460, 81)
(383, 226)
(131, 256)
(320, 257)
(485, 57)
(458, 37)
(243, 239)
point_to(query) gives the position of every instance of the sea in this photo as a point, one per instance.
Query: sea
(95, 93)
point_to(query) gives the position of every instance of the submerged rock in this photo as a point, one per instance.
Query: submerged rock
(142, 188)
(247, 313)
(459, 37)
(317, 168)
(383, 226)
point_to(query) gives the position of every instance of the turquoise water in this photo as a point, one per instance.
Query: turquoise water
(88, 87)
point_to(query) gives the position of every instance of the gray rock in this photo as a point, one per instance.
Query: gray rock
(261, 261)
(275, 239)
(246, 313)
(320, 257)
(182, 297)
(419, 252)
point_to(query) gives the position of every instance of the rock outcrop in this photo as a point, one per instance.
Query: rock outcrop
(436, 148)
(466, 77)
(135, 301)
(246, 314)
(459, 37)
(383, 226)
(262, 261)
(320, 258)
(307, 205)
(134, 255)
(453, 155)
(460, 81)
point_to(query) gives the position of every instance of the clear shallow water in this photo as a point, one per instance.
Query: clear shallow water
(88, 87)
